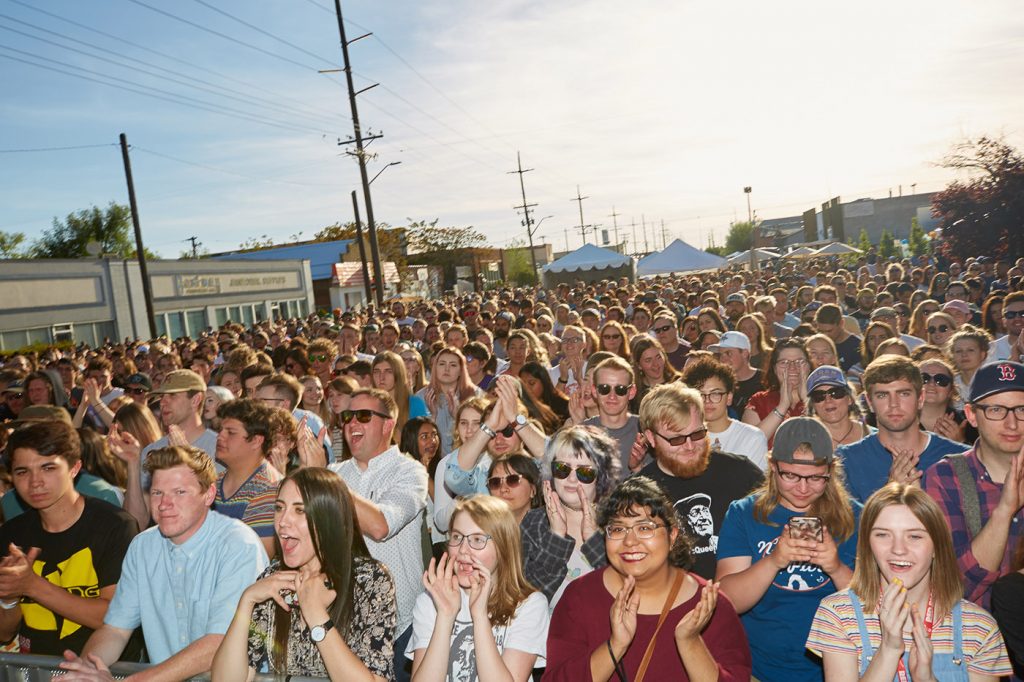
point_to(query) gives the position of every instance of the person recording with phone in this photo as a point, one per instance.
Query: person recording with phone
(783, 548)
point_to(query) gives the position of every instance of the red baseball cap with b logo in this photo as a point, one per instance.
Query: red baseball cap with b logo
(997, 377)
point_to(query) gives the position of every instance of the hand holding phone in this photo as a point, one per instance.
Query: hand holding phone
(806, 528)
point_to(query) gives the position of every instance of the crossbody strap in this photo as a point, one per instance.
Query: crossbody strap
(673, 593)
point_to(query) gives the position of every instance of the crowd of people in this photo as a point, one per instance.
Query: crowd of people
(810, 472)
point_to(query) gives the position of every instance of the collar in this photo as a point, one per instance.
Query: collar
(194, 545)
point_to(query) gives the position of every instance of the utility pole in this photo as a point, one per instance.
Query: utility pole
(195, 247)
(360, 154)
(567, 240)
(663, 235)
(636, 243)
(362, 248)
(615, 222)
(579, 199)
(147, 289)
(753, 233)
(526, 212)
(643, 224)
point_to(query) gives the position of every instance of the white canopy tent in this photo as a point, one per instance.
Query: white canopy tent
(589, 263)
(678, 257)
(743, 257)
(802, 252)
(837, 249)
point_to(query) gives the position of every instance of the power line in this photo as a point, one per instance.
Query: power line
(227, 172)
(56, 149)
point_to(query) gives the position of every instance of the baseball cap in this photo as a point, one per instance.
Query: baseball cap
(826, 375)
(802, 431)
(731, 340)
(997, 378)
(43, 413)
(181, 380)
(591, 311)
(15, 387)
(139, 379)
(957, 305)
(735, 298)
(811, 307)
(884, 311)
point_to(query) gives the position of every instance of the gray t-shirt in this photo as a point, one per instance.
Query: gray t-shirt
(625, 436)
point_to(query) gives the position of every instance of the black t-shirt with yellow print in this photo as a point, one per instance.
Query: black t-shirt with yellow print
(82, 559)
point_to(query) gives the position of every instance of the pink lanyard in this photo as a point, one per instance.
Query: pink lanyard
(929, 623)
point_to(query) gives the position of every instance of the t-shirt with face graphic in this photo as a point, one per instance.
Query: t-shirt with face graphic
(702, 501)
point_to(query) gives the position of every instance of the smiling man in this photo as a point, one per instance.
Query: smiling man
(701, 483)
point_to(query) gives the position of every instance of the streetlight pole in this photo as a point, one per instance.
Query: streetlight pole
(753, 233)
(393, 163)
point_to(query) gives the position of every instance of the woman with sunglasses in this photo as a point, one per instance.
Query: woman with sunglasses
(831, 402)
(787, 545)
(939, 328)
(903, 615)
(645, 616)
(968, 349)
(516, 479)
(326, 608)
(478, 618)
(939, 414)
(613, 340)
(561, 542)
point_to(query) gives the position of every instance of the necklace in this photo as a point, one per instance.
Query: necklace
(845, 435)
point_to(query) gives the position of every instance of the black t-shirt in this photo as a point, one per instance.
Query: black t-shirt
(849, 352)
(701, 502)
(1008, 610)
(745, 389)
(82, 559)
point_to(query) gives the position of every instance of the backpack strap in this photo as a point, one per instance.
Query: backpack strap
(971, 506)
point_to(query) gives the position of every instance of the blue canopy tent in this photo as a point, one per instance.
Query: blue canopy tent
(678, 257)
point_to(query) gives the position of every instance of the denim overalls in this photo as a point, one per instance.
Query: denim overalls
(945, 667)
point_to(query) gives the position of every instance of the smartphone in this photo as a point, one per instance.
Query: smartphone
(805, 528)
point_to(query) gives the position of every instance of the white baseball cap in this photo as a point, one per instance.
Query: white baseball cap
(731, 340)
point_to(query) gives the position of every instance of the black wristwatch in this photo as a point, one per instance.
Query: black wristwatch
(317, 633)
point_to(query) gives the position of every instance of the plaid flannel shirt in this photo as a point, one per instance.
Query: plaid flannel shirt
(940, 481)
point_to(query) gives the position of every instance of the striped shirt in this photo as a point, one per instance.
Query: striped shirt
(835, 630)
(253, 502)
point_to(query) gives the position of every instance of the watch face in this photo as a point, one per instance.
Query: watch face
(520, 419)
(317, 633)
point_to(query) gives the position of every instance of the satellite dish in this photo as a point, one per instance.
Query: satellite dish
(93, 248)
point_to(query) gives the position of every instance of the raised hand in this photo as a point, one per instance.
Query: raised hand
(443, 587)
(638, 453)
(123, 444)
(271, 588)
(555, 512)
(17, 576)
(588, 524)
(623, 615)
(825, 553)
(480, 590)
(91, 392)
(694, 622)
(892, 616)
(577, 410)
(1012, 497)
(314, 592)
(176, 437)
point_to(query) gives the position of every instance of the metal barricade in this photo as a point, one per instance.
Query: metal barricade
(32, 668)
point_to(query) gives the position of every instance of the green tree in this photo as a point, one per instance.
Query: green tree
(11, 244)
(917, 242)
(429, 239)
(390, 241)
(864, 243)
(517, 263)
(110, 228)
(886, 248)
(740, 236)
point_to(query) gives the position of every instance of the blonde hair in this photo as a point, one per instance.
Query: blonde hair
(401, 390)
(478, 403)
(833, 507)
(670, 404)
(509, 585)
(183, 455)
(945, 574)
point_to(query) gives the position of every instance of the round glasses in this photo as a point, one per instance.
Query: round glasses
(643, 531)
(475, 540)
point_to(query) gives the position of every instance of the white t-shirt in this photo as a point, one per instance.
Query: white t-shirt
(999, 351)
(528, 632)
(744, 440)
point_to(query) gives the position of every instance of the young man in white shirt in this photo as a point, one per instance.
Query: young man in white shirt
(716, 382)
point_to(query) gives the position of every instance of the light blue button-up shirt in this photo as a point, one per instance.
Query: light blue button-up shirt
(180, 593)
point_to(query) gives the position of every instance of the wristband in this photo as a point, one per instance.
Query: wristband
(8, 605)
(489, 431)
(562, 381)
(775, 410)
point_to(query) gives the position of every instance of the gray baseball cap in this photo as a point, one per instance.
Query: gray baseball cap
(802, 431)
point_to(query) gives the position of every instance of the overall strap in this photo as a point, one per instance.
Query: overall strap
(971, 506)
(958, 637)
(867, 651)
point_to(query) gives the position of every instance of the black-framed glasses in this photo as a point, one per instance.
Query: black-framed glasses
(835, 393)
(584, 473)
(136, 391)
(495, 482)
(644, 530)
(940, 380)
(507, 432)
(620, 389)
(997, 413)
(1012, 314)
(813, 479)
(941, 329)
(714, 397)
(475, 540)
(662, 329)
(695, 436)
(361, 416)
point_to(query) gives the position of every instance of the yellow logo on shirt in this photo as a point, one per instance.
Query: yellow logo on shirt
(78, 576)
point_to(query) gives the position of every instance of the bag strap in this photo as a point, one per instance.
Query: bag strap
(971, 507)
(673, 593)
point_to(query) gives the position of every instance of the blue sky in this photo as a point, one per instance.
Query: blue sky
(660, 109)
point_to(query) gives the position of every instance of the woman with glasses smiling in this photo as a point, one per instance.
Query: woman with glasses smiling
(785, 388)
(645, 616)
(790, 543)
(939, 327)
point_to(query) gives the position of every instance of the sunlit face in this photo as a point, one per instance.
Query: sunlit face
(383, 376)
(821, 353)
(544, 325)
(365, 441)
(641, 320)
(337, 401)
(875, 336)
(687, 459)
(412, 367)
(939, 328)
(447, 368)
(39, 393)
(652, 364)
(178, 504)
(749, 329)
(469, 423)
(568, 488)
(1014, 325)
(612, 340)
(42, 481)
(312, 392)
(633, 556)
(517, 351)
(292, 527)
(101, 377)
(1004, 436)
(716, 399)
(896, 405)
(933, 393)
(532, 384)
(517, 496)
(736, 358)
(463, 525)
(210, 405)
(178, 408)
(234, 444)
(706, 323)
(428, 441)
(611, 403)
(502, 445)
(455, 337)
(967, 355)
(800, 495)
(232, 382)
(901, 546)
(388, 338)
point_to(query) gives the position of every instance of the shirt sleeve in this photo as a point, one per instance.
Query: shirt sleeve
(827, 632)
(375, 616)
(989, 657)
(568, 646)
(545, 555)
(528, 631)
(404, 500)
(418, 407)
(462, 482)
(423, 617)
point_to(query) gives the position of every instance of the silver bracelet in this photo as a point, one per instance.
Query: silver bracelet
(778, 414)
(8, 605)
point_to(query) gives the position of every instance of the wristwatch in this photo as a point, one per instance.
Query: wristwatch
(488, 430)
(520, 422)
(317, 633)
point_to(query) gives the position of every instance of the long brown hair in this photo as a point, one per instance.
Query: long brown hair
(401, 390)
(509, 585)
(945, 574)
(833, 507)
(139, 421)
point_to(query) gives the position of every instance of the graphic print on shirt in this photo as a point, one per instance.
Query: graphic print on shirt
(695, 510)
(798, 576)
(77, 575)
(461, 657)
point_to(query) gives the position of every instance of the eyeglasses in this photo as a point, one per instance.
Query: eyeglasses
(643, 531)
(572, 339)
(941, 380)
(16, 396)
(835, 393)
(361, 416)
(611, 337)
(941, 329)
(696, 436)
(662, 329)
(495, 482)
(584, 474)
(319, 358)
(476, 540)
(790, 477)
(136, 391)
(620, 389)
(791, 363)
(997, 413)
(1013, 314)
(714, 397)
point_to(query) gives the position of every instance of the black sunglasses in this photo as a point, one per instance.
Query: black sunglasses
(663, 329)
(507, 432)
(1013, 314)
(136, 391)
(512, 480)
(361, 416)
(620, 389)
(697, 435)
(941, 329)
(584, 474)
(836, 393)
(942, 380)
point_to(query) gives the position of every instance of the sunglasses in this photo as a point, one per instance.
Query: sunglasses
(941, 380)
(662, 329)
(319, 358)
(1013, 314)
(361, 416)
(16, 396)
(611, 337)
(835, 393)
(620, 390)
(495, 482)
(507, 432)
(584, 474)
(136, 391)
(679, 440)
(941, 329)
